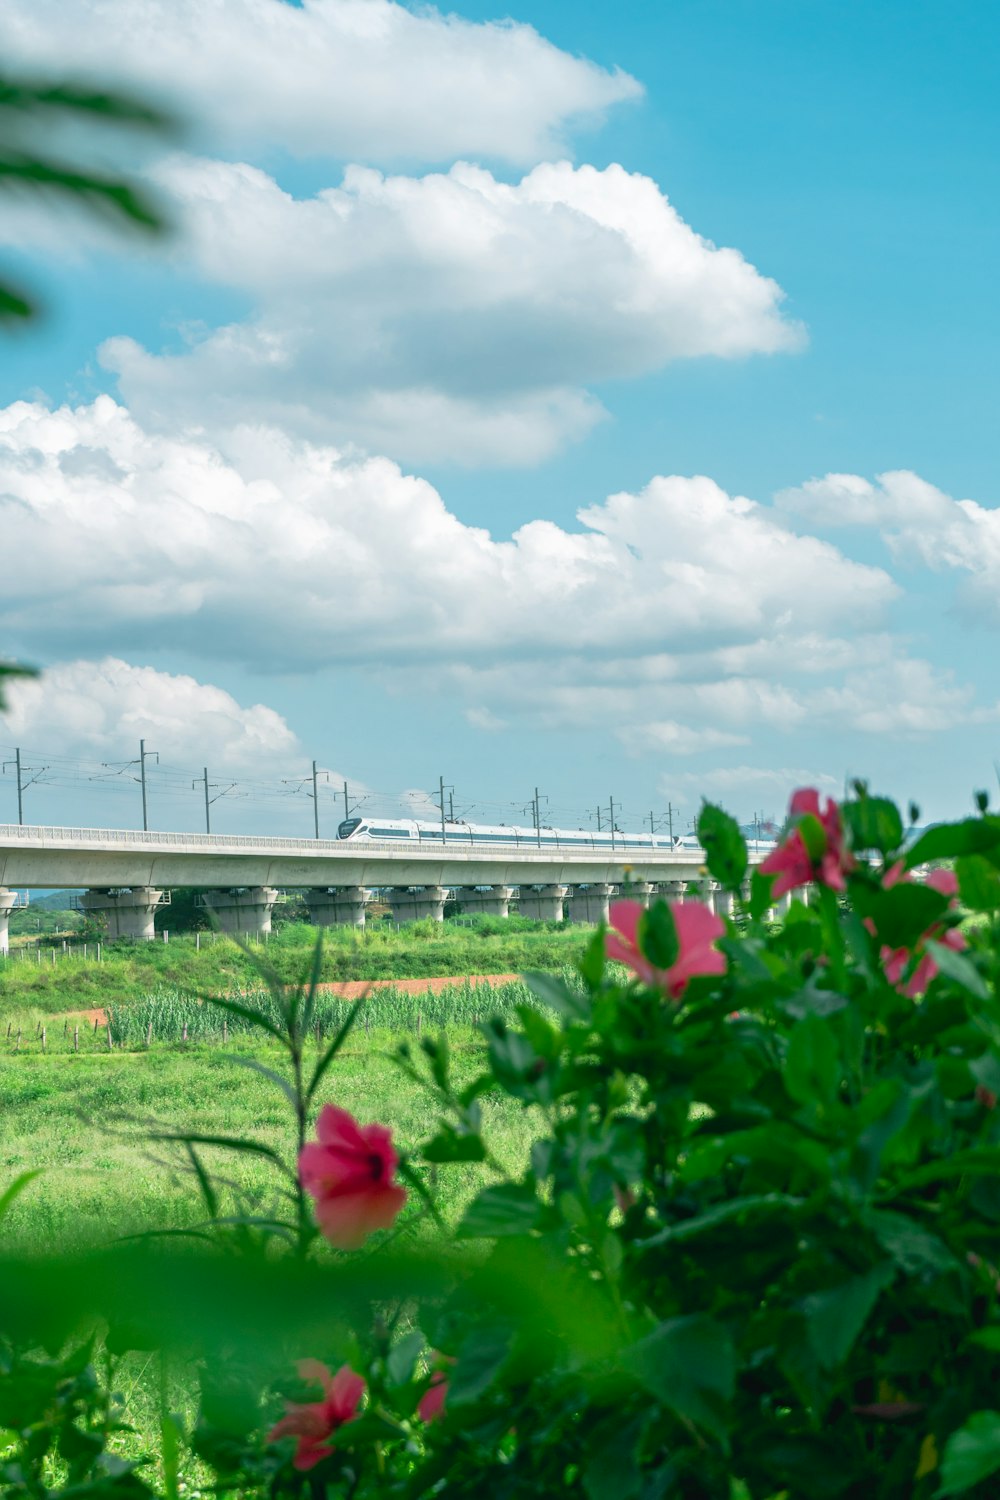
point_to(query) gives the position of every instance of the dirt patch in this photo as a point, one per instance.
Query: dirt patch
(352, 989)
(90, 1016)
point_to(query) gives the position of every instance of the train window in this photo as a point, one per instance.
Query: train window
(389, 833)
(347, 827)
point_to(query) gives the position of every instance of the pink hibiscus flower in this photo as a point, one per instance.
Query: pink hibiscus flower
(315, 1422)
(895, 960)
(697, 930)
(792, 862)
(348, 1171)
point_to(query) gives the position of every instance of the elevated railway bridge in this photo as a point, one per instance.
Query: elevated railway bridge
(127, 875)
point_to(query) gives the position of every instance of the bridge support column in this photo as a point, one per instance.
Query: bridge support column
(543, 903)
(410, 904)
(642, 891)
(128, 913)
(674, 891)
(8, 900)
(340, 906)
(588, 903)
(245, 911)
(722, 902)
(488, 901)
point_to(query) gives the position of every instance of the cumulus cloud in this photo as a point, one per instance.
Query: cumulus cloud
(448, 316)
(739, 785)
(103, 708)
(666, 736)
(365, 80)
(280, 553)
(920, 524)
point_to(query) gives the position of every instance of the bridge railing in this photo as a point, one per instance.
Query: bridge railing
(14, 833)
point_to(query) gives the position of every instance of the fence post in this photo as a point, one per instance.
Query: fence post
(76, 1038)
(184, 1033)
(110, 1043)
(149, 1034)
(43, 1039)
(17, 1044)
(225, 1031)
(197, 942)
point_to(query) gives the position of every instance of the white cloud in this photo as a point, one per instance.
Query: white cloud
(351, 79)
(919, 523)
(103, 708)
(740, 785)
(449, 316)
(281, 553)
(485, 719)
(666, 736)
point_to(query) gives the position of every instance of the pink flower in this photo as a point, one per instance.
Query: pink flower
(431, 1404)
(697, 930)
(315, 1422)
(349, 1173)
(895, 960)
(792, 862)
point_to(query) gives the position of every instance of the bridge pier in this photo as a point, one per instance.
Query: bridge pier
(337, 906)
(487, 901)
(543, 903)
(129, 913)
(245, 911)
(642, 891)
(410, 904)
(8, 900)
(588, 903)
(722, 902)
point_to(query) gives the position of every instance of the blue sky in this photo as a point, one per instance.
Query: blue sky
(685, 646)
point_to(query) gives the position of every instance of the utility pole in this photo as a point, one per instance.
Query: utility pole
(441, 791)
(599, 820)
(611, 804)
(670, 820)
(315, 795)
(451, 806)
(347, 809)
(145, 755)
(536, 814)
(20, 790)
(203, 780)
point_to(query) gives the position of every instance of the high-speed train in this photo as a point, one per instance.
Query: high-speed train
(359, 829)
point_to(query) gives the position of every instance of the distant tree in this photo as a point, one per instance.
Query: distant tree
(34, 118)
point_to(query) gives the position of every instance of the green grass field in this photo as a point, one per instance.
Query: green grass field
(52, 982)
(86, 1120)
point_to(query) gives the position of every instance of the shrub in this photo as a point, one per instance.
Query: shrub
(753, 1254)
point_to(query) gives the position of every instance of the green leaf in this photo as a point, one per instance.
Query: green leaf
(450, 1145)
(403, 1356)
(978, 883)
(760, 894)
(204, 1181)
(511, 1208)
(812, 1063)
(834, 1318)
(724, 845)
(874, 823)
(593, 960)
(971, 1454)
(914, 1249)
(689, 1365)
(813, 835)
(902, 914)
(561, 997)
(16, 1188)
(735, 1209)
(949, 840)
(961, 970)
(657, 935)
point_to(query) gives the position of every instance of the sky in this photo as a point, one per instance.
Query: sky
(596, 399)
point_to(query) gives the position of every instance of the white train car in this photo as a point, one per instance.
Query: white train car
(414, 831)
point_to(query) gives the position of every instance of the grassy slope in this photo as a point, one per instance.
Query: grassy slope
(421, 951)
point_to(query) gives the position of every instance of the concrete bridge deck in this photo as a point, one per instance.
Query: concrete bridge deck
(103, 858)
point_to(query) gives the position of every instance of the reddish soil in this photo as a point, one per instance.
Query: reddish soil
(351, 989)
(90, 1016)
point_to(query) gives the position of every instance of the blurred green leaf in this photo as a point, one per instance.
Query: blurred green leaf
(812, 1064)
(961, 970)
(835, 1317)
(902, 914)
(724, 845)
(949, 840)
(873, 823)
(511, 1208)
(978, 883)
(971, 1454)
(689, 1365)
(657, 935)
